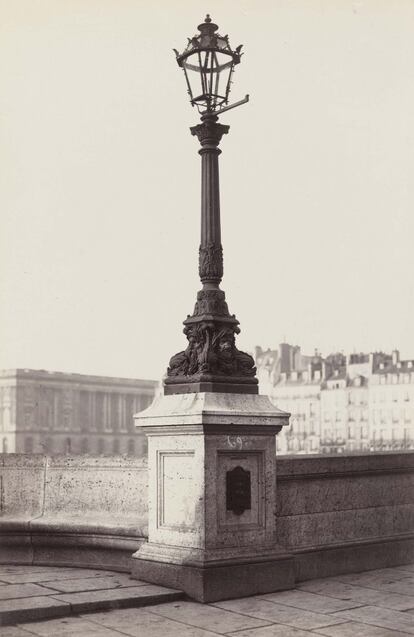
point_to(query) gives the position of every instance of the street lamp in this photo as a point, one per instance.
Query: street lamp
(211, 361)
(213, 452)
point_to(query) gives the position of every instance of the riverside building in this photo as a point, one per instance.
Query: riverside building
(340, 404)
(56, 412)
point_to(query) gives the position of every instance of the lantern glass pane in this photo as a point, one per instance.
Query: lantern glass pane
(208, 74)
(196, 81)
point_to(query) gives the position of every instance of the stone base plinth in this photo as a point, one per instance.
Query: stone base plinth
(212, 499)
(217, 578)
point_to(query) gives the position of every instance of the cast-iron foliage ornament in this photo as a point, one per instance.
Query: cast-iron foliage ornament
(211, 361)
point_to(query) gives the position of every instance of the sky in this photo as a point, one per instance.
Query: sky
(100, 180)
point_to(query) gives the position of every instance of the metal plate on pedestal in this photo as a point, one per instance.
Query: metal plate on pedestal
(238, 490)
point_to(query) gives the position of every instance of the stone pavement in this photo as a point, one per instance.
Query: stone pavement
(34, 592)
(370, 604)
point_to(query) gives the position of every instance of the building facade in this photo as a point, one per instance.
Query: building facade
(340, 404)
(56, 412)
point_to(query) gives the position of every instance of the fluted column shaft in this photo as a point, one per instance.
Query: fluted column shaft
(209, 133)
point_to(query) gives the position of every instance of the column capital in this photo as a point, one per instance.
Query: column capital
(210, 132)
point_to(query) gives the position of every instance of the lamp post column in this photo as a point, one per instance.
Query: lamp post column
(211, 361)
(209, 134)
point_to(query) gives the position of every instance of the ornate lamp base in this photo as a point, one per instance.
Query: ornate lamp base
(211, 361)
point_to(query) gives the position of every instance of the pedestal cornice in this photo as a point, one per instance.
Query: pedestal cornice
(214, 411)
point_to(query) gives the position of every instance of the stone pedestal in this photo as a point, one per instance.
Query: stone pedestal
(212, 496)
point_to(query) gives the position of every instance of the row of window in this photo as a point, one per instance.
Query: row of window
(100, 446)
(394, 379)
(103, 412)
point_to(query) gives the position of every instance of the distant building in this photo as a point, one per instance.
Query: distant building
(391, 404)
(56, 412)
(340, 404)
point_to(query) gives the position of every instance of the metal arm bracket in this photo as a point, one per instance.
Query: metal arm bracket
(227, 108)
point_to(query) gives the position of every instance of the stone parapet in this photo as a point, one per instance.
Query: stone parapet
(334, 513)
(72, 510)
(346, 513)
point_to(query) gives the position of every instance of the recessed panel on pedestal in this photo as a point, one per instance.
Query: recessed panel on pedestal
(176, 501)
(240, 490)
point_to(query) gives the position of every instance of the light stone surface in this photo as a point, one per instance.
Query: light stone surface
(53, 509)
(97, 485)
(264, 609)
(320, 500)
(346, 591)
(381, 617)
(372, 498)
(378, 578)
(275, 630)
(310, 601)
(81, 602)
(210, 408)
(193, 441)
(208, 617)
(402, 588)
(49, 574)
(353, 629)
(68, 627)
(22, 608)
(22, 474)
(330, 527)
(187, 619)
(92, 584)
(349, 493)
(13, 631)
(140, 622)
(176, 463)
(22, 602)
(23, 590)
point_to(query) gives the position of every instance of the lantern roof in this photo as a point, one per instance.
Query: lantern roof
(208, 40)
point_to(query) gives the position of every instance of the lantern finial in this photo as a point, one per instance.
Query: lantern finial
(208, 19)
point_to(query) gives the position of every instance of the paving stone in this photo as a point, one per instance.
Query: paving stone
(208, 617)
(403, 587)
(49, 574)
(391, 570)
(275, 630)
(23, 590)
(406, 567)
(353, 629)
(265, 609)
(310, 601)
(25, 568)
(30, 609)
(68, 627)
(367, 596)
(93, 583)
(140, 622)
(13, 631)
(382, 617)
(118, 598)
(376, 579)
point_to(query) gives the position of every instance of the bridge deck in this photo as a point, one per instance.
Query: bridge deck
(376, 603)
